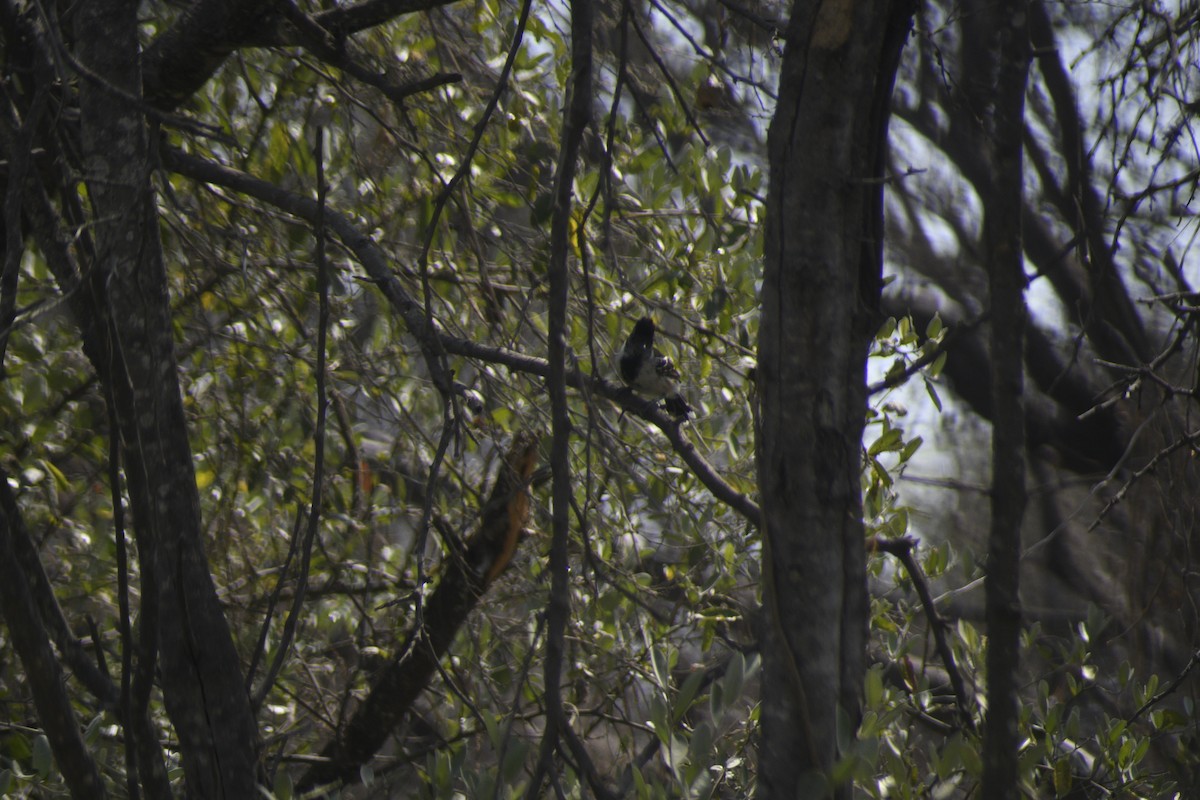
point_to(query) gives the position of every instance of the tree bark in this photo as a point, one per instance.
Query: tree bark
(202, 681)
(1003, 134)
(820, 307)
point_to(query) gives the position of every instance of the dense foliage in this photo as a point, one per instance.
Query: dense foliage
(430, 143)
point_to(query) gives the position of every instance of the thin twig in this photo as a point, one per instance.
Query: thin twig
(670, 79)
(1169, 688)
(902, 549)
(1186, 439)
(480, 127)
(576, 119)
(951, 338)
(318, 480)
(124, 706)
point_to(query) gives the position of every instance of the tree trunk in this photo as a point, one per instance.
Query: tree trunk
(1002, 202)
(202, 681)
(820, 307)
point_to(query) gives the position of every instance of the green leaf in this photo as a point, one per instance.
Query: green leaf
(735, 676)
(890, 440)
(1150, 688)
(873, 690)
(60, 479)
(700, 748)
(933, 395)
(494, 733)
(43, 758)
(659, 719)
(882, 475)
(517, 749)
(283, 788)
(1053, 715)
(1124, 753)
(687, 693)
(716, 700)
(934, 327)
(939, 363)
(639, 782)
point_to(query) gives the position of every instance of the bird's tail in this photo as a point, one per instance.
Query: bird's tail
(677, 407)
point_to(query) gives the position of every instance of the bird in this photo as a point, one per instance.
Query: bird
(646, 370)
(472, 401)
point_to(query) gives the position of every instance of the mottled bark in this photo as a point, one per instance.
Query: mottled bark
(201, 679)
(820, 306)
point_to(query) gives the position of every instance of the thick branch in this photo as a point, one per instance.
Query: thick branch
(369, 254)
(187, 54)
(465, 580)
(42, 669)
(350, 19)
(820, 300)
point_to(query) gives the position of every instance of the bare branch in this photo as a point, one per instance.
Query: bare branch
(902, 549)
(317, 492)
(577, 116)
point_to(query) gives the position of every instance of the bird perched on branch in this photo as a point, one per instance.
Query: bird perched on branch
(649, 372)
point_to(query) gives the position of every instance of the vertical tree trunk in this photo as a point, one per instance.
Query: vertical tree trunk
(201, 678)
(1005, 261)
(820, 299)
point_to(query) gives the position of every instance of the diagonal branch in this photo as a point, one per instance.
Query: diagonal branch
(334, 50)
(348, 19)
(376, 264)
(902, 549)
(28, 635)
(465, 580)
